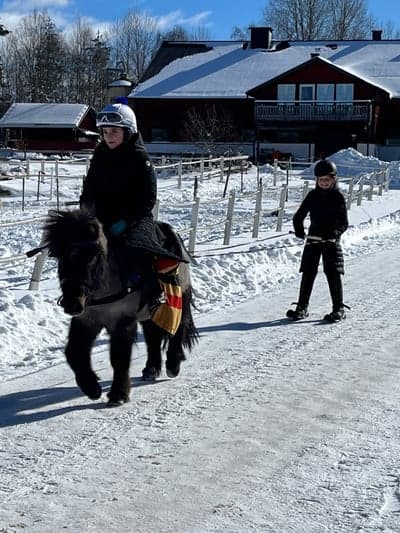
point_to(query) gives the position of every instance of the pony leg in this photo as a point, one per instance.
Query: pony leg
(77, 351)
(122, 339)
(185, 337)
(175, 353)
(153, 337)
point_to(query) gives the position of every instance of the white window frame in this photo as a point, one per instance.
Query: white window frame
(307, 86)
(347, 95)
(286, 92)
(325, 88)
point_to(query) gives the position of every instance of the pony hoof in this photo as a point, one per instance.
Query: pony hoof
(116, 403)
(90, 387)
(150, 373)
(173, 372)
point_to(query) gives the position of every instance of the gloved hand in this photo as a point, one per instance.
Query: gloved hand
(300, 234)
(118, 227)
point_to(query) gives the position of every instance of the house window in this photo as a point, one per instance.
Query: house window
(286, 92)
(306, 92)
(344, 92)
(325, 92)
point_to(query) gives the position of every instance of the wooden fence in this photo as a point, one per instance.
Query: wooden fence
(357, 190)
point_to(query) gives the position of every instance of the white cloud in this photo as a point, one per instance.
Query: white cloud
(177, 17)
(14, 10)
(29, 5)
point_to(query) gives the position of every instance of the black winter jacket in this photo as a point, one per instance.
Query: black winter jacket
(120, 183)
(328, 214)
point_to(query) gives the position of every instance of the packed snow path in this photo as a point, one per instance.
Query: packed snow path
(272, 426)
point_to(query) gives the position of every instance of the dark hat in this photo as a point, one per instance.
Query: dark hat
(325, 168)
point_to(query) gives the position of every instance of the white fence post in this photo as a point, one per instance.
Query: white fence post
(37, 270)
(202, 169)
(350, 194)
(257, 212)
(370, 191)
(180, 167)
(387, 180)
(193, 225)
(229, 217)
(360, 192)
(275, 173)
(221, 166)
(282, 201)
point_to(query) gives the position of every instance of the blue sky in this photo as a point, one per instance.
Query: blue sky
(219, 16)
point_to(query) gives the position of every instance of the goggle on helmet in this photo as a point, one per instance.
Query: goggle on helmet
(118, 115)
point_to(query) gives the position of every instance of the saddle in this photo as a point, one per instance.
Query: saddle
(171, 241)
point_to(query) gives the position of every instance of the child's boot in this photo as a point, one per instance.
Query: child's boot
(297, 314)
(337, 315)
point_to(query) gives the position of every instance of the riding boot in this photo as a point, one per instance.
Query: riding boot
(141, 275)
(336, 292)
(306, 286)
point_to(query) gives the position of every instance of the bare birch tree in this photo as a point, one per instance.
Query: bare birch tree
(318, 19)
(349, 19)
(134, 39)
(208, 125)
(79, 42)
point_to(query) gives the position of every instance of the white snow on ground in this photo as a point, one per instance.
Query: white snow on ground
(271, 426)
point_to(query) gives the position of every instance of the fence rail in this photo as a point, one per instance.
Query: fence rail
(358, 189)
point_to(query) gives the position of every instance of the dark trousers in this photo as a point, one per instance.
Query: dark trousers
(335, 288)
(332, 257)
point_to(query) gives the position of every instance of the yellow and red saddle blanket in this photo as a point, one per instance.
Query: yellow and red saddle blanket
(168, 314)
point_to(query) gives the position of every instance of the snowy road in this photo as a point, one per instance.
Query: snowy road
(273, 426)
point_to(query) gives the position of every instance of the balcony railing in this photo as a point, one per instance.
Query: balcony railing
(313, 111)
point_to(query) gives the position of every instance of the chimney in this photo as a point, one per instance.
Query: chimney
(376, 35)
(260, 37)
(316, 53)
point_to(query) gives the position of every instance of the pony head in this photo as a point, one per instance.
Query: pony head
(76, 240)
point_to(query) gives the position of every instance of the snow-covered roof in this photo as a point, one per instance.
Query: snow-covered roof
(229, 69)
(37, 115)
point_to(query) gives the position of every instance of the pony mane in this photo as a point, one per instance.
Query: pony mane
(62, 228)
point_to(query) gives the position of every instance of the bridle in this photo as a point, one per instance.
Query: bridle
(87, 286)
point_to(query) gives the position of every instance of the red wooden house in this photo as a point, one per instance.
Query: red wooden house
(305, 97)
(49, 127)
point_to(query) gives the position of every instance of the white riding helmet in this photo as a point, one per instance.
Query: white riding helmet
(119, 115)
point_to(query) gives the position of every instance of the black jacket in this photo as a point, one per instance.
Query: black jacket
(120, 183)
(328, 214)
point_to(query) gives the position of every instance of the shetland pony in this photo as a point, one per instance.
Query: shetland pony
(95, 295)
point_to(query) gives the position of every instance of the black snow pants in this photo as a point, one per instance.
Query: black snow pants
(333, 264)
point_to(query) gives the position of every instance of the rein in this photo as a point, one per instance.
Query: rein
(111, 298)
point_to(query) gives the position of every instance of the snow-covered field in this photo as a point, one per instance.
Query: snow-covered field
(272, 426)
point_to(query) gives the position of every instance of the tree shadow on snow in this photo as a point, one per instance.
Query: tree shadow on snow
(29, 406)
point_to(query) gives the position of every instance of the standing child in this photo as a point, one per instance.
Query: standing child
(328, 215)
